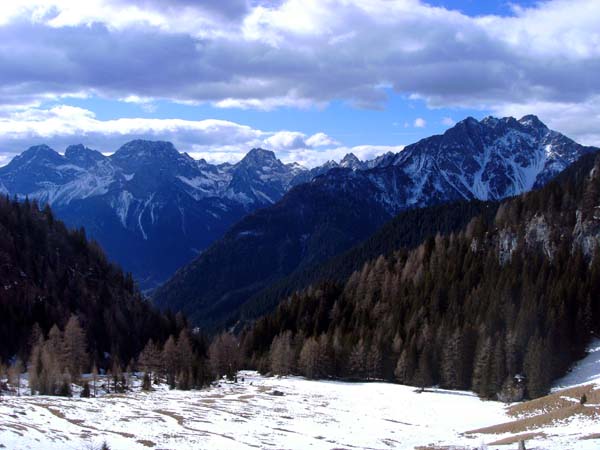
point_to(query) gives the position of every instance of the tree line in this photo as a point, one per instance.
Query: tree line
(66, 310)
(502, 307)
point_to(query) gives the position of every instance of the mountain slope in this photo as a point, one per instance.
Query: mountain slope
(48, 272)
(407, 230)
(502, 308)
(268, 244)
(487, 160)
(152, 208)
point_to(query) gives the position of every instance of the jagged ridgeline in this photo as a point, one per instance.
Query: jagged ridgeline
(515, 294)
(48, 273)
(276, 248)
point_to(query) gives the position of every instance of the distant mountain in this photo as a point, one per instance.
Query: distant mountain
(486, 160)
(151, 207)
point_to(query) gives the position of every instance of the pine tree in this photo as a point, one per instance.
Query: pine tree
(146, 383)
(224, 356)
(358, 360)
(536, 367)
(150, 360)
(424, 375)
(309, 358)
(95, 379)
(85, 393)
(482, 370)
(281, 355)
(374, 362)
(14, 375)
(407, 365)
(170, 361)
(185, 358)
(74, 343)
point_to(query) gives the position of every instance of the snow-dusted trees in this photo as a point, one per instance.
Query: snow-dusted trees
(224, 355)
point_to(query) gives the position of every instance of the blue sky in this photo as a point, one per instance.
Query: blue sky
(310, 79)
(390, 124)
(484, 7)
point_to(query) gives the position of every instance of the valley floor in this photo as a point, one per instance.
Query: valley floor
(309, 415)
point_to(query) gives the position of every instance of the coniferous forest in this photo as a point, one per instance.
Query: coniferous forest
(502, 307)
(66, 310)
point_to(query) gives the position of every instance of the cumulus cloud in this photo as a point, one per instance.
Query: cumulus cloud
(420, 123)
(321, 140)
(213, 140)
(302, 53)
(302, 50)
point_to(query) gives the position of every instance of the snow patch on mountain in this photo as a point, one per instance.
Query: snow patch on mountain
(121, 206)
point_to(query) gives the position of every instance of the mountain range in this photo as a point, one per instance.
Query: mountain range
(151, 207)
(501, 306)
(489, 159)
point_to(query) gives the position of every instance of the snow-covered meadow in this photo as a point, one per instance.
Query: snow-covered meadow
(277, 413)
(247, 415)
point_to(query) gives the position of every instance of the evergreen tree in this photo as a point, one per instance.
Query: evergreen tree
(74, 343)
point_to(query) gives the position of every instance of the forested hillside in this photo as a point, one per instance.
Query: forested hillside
(406, 230)
(502, 307)
(49, 273)
(488, 160)
(267, 245)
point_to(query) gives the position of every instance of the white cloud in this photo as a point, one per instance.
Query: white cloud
(420, 123)
(580, 120)
(321, 140)
(301, 54)
(213, 140)
(286, 140)
(448, 121)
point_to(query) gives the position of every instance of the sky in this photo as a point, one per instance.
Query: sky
(309, 79)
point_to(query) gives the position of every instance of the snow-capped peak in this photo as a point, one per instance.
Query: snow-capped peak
(532, 121)
(350, 161)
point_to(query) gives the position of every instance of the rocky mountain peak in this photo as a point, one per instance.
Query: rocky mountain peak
(259, 157)
(351, 161)
(83, 156)
(532, 121)
(146, 151)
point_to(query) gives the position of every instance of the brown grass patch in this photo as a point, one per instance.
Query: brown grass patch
(535, 422)
(172, 415)
(517, 438)
(556, 401)
(146, 443)
(590, 436)
(441, 447)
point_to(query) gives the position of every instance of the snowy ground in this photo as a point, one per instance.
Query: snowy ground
(585, 371)
(310, 415)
